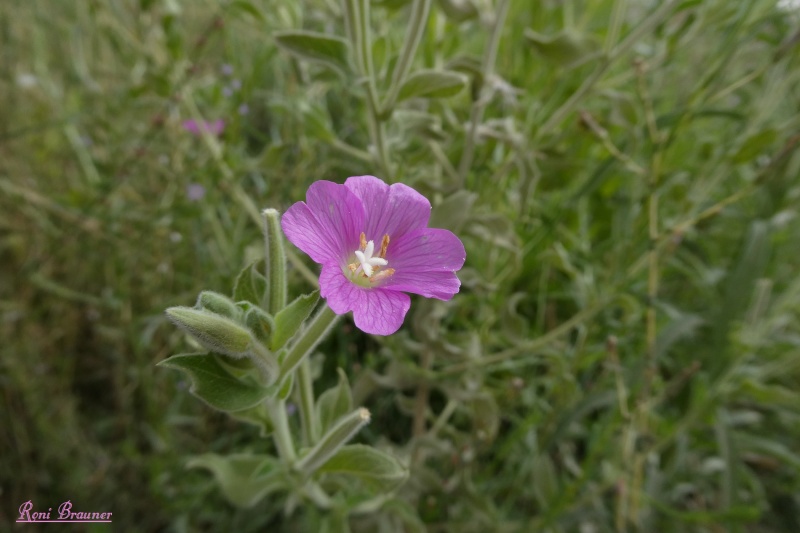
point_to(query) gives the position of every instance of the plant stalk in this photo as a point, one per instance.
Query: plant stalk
(416, 28)
(318, 327)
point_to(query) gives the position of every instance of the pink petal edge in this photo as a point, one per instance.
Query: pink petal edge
(394, 210)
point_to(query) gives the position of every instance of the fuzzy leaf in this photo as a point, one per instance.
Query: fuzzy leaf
(215, 385)
(335, 402)
(567, 48)
(454, 211)
(326, 49)
(244, 479)
(377, 469)
(248, 8)
(289, 319)
(754, 145)
(256, 416)
(251, 285)
(459, 10)
(432, 84)
(391, 4)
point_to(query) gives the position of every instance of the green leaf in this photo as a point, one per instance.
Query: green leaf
(454, 211)
(249, 8)
(317, 123)
(471, 67)
(545, 480)
(215, 385)
(485, 418)
(289, 319)
(215, 332)
(567, 48)
(377, 469)
(244, 479)
(682, 327)
(335, 402)
(326, 49)
(256, 416)
(251, 285)
(391, 4)
(755, 145)
(432, 84)
(459, 10)
(416, 124)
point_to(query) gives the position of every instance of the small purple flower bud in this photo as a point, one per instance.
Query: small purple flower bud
(195, 192)
(197, 128)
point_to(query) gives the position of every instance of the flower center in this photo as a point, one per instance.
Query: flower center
(368, 268)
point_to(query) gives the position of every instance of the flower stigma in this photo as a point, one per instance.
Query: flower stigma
(368, 267)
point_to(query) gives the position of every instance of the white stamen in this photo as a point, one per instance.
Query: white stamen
(367, 262)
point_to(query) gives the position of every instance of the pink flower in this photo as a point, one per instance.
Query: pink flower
(374, 246)
(214, 128)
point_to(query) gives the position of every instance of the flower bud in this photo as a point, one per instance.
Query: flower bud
(219, 304)
(215, 332)
(260, 323)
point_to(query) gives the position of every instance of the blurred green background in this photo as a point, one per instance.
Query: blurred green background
(625, 351)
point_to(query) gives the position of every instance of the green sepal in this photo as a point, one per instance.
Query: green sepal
(251, 284)
(244, 479)
(290, 318)
(378, 470)
(334, 403)
(219, 304)
(214, 385)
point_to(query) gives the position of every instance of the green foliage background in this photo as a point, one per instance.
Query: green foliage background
(625, 351)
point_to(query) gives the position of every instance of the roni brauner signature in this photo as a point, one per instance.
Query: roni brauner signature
(64, 514)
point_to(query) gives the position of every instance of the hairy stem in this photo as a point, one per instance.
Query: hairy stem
(357, 21)
(275, 261)
(280, 431)
(317, 328)
(416, 27)
(479, 106)
(306, 390)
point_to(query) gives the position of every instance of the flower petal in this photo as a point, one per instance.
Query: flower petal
(433, 284)
(376, 311)
(426, 250)
(390, 210)
(328, 226)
